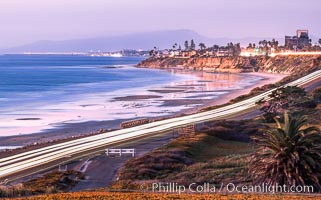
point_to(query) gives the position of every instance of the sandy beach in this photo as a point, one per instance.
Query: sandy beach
(186, 97)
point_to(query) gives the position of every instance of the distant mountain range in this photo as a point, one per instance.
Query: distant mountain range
(145, 40)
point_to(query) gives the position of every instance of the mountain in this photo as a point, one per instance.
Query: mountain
(144, 40)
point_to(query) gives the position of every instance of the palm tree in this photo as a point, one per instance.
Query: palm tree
(275, 43)
(192, 47)
(269, 43)
(288, 155)
(174, 46)
(202, 46)
(186, 45)
(216, 47)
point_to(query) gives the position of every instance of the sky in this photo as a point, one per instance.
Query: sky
(22, 22)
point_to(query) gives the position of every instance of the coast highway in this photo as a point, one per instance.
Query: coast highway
(22, 162)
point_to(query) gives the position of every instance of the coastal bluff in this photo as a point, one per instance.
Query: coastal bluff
(278, 64)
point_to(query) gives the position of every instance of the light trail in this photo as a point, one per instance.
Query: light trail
(308, 53)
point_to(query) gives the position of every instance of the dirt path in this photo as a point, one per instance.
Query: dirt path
(103, 170)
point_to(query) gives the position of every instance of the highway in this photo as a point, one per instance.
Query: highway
(36, 158)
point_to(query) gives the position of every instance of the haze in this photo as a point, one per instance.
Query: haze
(36, 20)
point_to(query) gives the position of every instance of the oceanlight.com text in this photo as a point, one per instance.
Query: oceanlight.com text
(228, 188)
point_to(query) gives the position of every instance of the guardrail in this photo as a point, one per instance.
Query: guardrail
(120, 152)
(132, 123)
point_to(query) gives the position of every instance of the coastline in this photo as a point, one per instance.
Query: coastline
(69, 130)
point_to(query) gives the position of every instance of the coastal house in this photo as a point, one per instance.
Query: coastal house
(174, 53)
(165, 53)
(188, 53)
(223, 52)
(206, 52)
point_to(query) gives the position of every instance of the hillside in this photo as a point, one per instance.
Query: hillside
(277, 64)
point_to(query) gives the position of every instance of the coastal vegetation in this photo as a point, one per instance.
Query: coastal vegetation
(190, 47)
(218, 153)
(288, 154)
(291, 99)
(202, 46)
(49, 183)
(99, 195)
(266, 46)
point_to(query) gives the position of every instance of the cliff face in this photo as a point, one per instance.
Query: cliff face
(277, 64)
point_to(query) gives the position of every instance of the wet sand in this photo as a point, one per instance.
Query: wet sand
(166, 91)
(136, 97)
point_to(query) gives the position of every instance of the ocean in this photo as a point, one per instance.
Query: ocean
(44, 78)
(39, 92)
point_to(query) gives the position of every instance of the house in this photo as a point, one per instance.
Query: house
(222, 53)
(209, 52)
(188, 53)
(174, 53)
(165, 53)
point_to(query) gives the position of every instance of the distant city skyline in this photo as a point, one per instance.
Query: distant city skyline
(23, 23)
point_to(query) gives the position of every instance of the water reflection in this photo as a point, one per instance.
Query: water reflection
(211, 83)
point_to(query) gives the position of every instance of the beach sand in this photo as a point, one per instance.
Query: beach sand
(187, 105)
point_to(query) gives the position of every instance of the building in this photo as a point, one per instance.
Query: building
(165, 53)
(174, 53)
(223, 53)
(300, 41)
(189, 53)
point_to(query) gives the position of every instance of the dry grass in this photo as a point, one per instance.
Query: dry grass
(49, 183)
(218, 155)
(145, 196)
